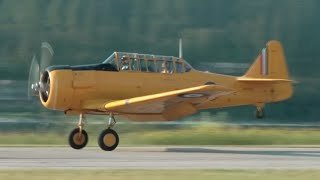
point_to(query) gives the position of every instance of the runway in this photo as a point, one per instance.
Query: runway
(160, 158)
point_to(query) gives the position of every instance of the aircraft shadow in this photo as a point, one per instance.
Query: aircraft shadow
(295, 153)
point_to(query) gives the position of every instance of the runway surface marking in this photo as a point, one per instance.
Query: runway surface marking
(160, 158)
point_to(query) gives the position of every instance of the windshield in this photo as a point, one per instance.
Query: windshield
(110, 59)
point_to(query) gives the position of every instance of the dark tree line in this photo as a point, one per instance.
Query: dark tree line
(83, 31)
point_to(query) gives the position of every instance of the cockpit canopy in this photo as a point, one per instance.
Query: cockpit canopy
(147, 63)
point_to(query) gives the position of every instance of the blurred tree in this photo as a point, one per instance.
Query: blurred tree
(83, 31)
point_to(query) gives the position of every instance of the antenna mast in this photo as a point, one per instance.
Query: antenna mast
(180, 48)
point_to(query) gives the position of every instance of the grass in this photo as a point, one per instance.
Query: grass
(213, 135)
(160, 174)
(190, 135)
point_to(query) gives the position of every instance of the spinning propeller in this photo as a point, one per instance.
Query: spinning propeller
(39, 79)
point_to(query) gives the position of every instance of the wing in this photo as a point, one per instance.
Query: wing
(168, 105)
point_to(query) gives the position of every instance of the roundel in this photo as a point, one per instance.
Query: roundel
(192, 95)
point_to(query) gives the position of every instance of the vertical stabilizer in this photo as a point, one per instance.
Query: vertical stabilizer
(271, 63)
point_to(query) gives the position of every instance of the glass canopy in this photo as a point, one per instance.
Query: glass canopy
(147, 63)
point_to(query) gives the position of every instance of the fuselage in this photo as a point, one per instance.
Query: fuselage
(70, 89)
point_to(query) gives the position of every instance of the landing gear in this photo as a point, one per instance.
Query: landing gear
(78, 137)
(260, 112)
(78, 140)
(109, 139)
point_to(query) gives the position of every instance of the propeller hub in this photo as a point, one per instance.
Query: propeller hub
(44, 86)
(35, 87)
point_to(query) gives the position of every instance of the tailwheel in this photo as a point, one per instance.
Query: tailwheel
(78, 139)
(260, 113)
(108, 140)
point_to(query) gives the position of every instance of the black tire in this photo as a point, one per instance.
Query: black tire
(113, 140)
(74, 141)
(260, 113)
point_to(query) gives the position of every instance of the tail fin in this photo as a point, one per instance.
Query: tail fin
(270, 64)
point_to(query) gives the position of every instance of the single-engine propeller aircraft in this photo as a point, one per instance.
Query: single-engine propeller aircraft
(145, 87)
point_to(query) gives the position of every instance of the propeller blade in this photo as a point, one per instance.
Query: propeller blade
(37, 69)
(34, 75)
(46, 56)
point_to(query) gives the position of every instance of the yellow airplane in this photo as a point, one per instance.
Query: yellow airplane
(144, 87)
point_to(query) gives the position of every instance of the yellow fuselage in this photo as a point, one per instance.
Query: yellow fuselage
(70, 90)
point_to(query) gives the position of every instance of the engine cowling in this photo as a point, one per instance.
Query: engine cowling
(56, 90)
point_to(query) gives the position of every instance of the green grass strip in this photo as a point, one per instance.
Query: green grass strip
(193, 135)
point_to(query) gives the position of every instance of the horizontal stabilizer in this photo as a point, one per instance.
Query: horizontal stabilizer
(244, 79)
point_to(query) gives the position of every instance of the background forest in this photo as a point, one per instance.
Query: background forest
(219, 35)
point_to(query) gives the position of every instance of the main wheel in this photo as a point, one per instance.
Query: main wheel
(259, 113)
(108, 140)
(77, 140)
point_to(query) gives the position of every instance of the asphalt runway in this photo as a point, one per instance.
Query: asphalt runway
(160, 158)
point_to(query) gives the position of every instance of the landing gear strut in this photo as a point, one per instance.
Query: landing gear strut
(259, 112)
(78, 137)
(109, 139)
